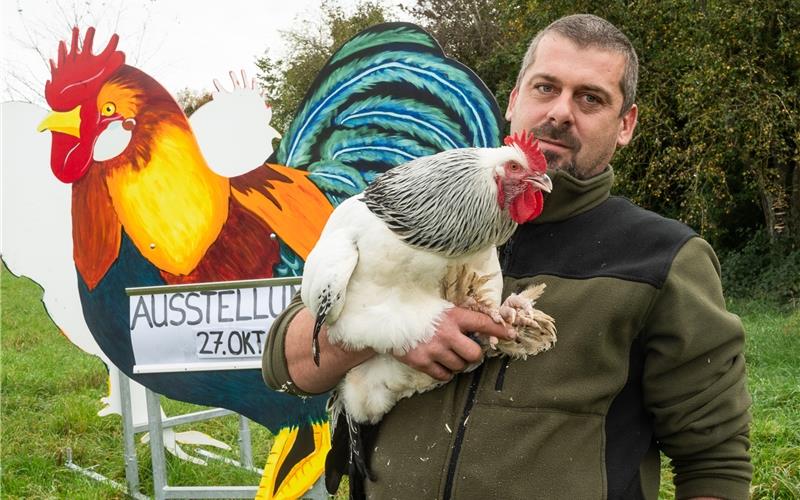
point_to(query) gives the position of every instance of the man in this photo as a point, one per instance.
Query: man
(647, 360)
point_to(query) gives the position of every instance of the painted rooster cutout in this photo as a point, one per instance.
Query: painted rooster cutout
(37, 225)
(147, 208)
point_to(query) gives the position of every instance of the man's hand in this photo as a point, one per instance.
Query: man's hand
(450, 350)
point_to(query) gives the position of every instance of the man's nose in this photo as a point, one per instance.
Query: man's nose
(561, 111)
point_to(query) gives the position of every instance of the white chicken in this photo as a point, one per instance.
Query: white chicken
(390, 261)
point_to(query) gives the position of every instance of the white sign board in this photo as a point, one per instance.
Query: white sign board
(202, 327)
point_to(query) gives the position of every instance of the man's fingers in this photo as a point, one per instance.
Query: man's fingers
(451, 361)
(438, 372)
(468, 350)
(471, 321)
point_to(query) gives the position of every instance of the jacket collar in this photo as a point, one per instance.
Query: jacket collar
(571, 196)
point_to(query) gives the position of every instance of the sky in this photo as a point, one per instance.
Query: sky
(181, 43)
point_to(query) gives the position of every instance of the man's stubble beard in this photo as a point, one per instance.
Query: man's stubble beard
(556, 162)
(568, 163)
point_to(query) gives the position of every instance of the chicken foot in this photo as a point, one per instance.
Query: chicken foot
(536, 331)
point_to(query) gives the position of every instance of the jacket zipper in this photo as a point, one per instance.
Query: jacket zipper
(507, 248)
(501, 375)
(462, 425)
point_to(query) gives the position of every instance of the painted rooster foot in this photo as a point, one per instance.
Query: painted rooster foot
(246, 85)
(536, 331)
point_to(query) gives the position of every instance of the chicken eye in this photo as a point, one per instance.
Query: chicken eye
(514, 167)
(108, 109)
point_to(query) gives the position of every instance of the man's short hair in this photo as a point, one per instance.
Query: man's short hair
(587, 30)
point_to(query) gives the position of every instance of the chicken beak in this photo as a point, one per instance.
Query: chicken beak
(542, 182)
(66, 122)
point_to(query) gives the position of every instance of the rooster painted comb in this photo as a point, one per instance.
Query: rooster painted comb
(529, 145)
(80, 73)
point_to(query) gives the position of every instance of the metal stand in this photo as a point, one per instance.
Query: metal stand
(155, 427)
(161, 488)
(129, 455)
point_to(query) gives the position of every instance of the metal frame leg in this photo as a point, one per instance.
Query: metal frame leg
(156, 444)
(128, 434)
(245, 443)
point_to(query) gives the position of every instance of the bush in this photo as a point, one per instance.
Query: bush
(763, 269)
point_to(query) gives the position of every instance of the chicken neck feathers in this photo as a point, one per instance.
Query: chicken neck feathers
(445, 204)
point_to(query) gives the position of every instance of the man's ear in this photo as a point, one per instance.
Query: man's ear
(512, 99)
(627, 126)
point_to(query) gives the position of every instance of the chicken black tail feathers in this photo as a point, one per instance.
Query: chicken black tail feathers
(358, 450)
(349, 456)
(315, 339)
(326, 301)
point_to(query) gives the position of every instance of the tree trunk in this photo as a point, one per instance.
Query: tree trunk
(793, 215)
(767, 201)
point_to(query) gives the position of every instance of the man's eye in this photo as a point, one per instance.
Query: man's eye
(544, 89)
(591, 99)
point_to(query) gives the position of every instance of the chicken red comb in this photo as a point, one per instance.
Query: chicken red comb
(80, 74)
(529, 145)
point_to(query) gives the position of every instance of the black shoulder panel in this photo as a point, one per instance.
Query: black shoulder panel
(615, 239)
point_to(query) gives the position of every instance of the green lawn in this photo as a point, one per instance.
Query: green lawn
(51, 393)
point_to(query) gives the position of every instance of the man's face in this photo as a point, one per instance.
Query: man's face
(571, 100)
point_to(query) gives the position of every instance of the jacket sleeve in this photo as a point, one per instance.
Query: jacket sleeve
(274, 368)
(694, 379)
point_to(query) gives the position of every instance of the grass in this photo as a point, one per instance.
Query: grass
(51, 394)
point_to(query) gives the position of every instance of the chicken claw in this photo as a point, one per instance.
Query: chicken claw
(536, 331)
(516, 308)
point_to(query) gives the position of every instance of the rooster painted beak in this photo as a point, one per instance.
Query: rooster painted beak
(542, 182)
(66, 122)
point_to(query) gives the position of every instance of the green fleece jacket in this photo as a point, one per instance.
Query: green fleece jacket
(647, 360)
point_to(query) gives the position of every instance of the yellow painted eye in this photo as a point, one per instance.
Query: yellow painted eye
(108, 109)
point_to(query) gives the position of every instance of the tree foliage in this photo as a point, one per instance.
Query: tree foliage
(287, 80)
(190, 100)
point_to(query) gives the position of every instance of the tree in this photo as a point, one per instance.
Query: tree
(469, 31)
(189, 99)
(287, 80)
